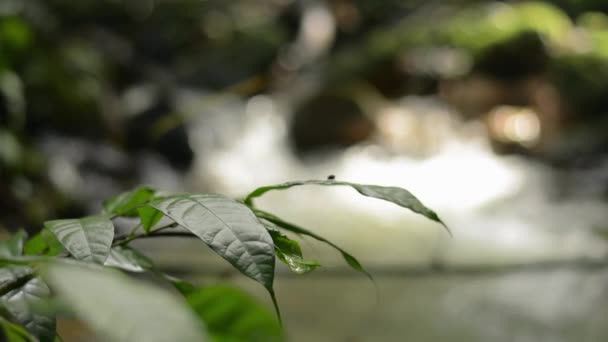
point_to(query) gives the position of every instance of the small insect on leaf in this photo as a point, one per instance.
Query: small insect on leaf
(331, 177)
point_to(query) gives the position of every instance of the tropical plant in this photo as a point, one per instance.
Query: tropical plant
(84, 268)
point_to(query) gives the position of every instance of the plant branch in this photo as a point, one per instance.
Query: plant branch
(124, 239)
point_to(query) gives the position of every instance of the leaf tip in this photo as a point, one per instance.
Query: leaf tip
(445, 226)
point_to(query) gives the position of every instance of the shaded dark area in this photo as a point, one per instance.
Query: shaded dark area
(343, 124)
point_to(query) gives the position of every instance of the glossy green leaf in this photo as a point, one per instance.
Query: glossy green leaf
(350, 260)
(232, 315)
(128, 259)
(286, 252)
(289, 251)
(15, 333)
(126, 203)
(121, 309)
(43, 243)
(229, 228)
(24, 301)
(14, 245)
(149, 216)
(87, 239)
(392, 194)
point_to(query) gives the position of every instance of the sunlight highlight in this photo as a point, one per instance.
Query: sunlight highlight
(515, 124)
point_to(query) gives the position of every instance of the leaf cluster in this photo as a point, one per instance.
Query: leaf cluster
(80, 267)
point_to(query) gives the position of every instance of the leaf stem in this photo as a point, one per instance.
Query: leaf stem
(134, 230)
(276, 305)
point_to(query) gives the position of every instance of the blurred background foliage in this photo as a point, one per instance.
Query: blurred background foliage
(107, 72)
(97, 96)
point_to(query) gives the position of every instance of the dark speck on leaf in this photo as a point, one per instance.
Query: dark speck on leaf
(331, 177)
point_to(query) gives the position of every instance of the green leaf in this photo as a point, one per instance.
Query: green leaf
(392, 194)
(15, 333)
(43, 243)
(285, 249)
(289, 251)
(14, 245)
(36, 245)
(25, 260)
(24, 303)
(233, 315)
(350, 260)
(121, 309)
(88, 239)
(126, 203)
(182, 286)
(149, 216)
(229, 228)
(128, 259)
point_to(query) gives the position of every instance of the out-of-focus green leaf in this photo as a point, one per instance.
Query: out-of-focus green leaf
(15, 33)
(128, 259)
(43, 243)
(289, 251)
(149, 216)
(36, 245)
(24, 301)
(14, 245)
(126, 203)
(121, 309)
(350, 260)
(11, 151)
(15, 333)
(24, 260)
(87, 239)
(392, 194)
(232, 315)
(229, 228)
(11, 87)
